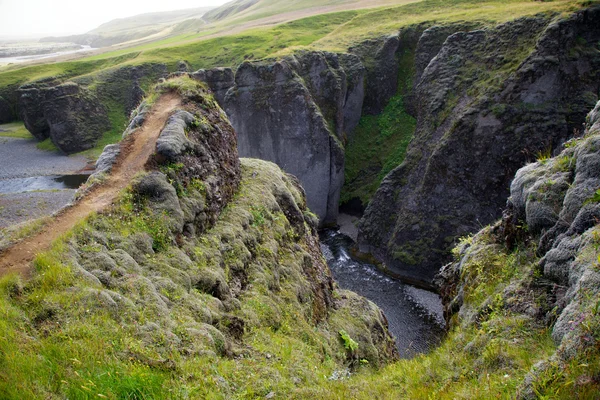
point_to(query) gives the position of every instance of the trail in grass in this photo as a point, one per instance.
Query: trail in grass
(135, 151)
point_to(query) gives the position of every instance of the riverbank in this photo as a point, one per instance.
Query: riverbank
(20, 158)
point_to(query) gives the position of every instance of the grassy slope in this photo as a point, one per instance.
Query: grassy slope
(59, 338)
(50, 343)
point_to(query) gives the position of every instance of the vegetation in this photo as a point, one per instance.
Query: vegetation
(123, 341)
(15, 130)
(89, 351)
(379, 143)
(334, 32)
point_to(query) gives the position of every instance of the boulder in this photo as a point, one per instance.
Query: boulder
(31, 106)
(75, 116)
(70, 115)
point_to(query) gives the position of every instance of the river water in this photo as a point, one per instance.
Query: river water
(415, 316)
(52, 182)
(24, 58)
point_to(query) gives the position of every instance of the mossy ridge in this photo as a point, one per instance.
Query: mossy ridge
(120, 340)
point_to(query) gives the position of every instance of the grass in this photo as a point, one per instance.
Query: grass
(15, 130)
(379, 143)
(47, 145)
(91, 350)
(12, 234)
(61, 338)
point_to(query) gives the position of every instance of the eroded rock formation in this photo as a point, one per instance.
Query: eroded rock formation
(70, 115)
(296, 112)
(476, 125)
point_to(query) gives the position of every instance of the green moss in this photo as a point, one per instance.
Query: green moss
(379, 143)
(15, 130)
(47, 145)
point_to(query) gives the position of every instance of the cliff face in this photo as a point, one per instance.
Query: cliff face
(75, 115)
(296, 112)
(71, 116)
(552, 217)
(6, 112)
(486, 103)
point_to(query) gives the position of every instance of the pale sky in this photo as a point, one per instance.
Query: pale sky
(30, 18)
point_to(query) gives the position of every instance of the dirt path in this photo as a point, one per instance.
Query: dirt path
(135, 151)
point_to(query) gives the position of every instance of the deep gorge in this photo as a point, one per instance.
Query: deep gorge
(429, 127)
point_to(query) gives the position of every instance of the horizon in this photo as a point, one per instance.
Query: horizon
(68, 17)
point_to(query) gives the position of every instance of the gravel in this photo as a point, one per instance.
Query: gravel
(20, 158)
(21, 207)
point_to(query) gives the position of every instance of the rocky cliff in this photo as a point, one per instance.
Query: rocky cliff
(296, 112)
(542, 259)
(206, 277)
(486, 103)
(6, 112)
(70, 115)
(76, 114)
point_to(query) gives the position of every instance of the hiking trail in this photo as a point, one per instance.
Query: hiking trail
(135, 151)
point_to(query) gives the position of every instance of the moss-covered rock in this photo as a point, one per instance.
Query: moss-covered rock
(488, 102)
(551, 212)
(206, 278)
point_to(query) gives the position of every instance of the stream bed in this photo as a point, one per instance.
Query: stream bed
(415, 316)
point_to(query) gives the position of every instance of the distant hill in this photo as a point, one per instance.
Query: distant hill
(229, 9)
(132, 28)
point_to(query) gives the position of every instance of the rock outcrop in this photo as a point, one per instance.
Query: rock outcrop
(487, 102)
(554, 208)
(70, 115)
(204, 261)
(6, 112)
(296, 112)
(74, 115)
(220, 80)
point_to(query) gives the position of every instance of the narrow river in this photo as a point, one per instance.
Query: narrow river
(415, 316)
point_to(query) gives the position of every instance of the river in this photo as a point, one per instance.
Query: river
(415, 316)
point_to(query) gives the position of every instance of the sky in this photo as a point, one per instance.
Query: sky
(37, 18)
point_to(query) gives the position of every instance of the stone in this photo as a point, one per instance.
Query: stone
(6, 112)
(468, 145)
(173, 141)
(70, 115)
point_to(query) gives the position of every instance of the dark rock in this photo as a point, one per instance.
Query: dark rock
(277, 119)
(219, 80)
(6, 112)
(296, 113)
(162, 198)
(201, 143)
(75, 116)
(136, 95)
(173, 141)
(382, 79)
(107, 159)
(31, 105)
(355, 93)
(70, 115)
(471, 139)
(183, 66)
